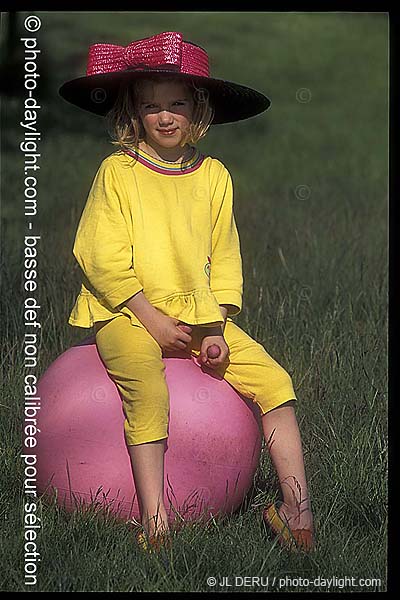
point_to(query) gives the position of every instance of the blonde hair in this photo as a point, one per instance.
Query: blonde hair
(124, 124)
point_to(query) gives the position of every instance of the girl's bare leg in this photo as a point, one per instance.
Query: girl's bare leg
(283, 440)
(148, 467)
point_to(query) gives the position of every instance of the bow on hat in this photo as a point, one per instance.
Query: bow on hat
(165, 51)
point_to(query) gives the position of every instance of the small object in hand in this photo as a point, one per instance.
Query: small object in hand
(213, 351)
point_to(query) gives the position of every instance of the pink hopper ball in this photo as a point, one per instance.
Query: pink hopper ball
(212, 453)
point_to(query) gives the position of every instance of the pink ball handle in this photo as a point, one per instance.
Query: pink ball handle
(213, 351)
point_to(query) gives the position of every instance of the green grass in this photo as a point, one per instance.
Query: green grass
(315, 269)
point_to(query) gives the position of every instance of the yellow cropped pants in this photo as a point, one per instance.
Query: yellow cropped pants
(133, 360)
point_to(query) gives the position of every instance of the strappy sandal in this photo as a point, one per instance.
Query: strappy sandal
(292, 539)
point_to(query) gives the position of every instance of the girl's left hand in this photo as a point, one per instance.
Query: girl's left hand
(211, 340)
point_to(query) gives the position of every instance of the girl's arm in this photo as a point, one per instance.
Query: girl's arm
(226, 280)
(141, 307)
(224, 311)
(103, 242)
(219, 329)
(165, 330)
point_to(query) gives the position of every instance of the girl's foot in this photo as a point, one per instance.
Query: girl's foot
(293, 526)
(154, 534)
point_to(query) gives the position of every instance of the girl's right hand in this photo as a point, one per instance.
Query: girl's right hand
(169, 334)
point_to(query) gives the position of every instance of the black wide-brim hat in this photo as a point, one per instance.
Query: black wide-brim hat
(110, 66)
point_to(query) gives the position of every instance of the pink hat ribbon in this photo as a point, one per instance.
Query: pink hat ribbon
(163, 51)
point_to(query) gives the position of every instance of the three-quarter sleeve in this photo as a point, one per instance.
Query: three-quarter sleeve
(103, 244)
(226, 280)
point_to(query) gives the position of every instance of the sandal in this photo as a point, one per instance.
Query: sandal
(153, 543)
(292, 539)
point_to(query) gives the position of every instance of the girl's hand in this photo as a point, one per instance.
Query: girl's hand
(169, 334)
(207, 342)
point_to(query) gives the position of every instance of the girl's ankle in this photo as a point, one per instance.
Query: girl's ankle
(156, 526)
(296, 506)
(296, 515)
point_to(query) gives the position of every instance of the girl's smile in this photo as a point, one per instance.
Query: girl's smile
(167, 131)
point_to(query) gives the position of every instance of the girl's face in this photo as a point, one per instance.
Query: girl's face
(165, 109)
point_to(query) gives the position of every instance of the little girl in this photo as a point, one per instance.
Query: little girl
(160, 257)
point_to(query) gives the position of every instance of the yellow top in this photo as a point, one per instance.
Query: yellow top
(163, 228)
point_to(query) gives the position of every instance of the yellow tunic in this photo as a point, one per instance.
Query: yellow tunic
(168, 230)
